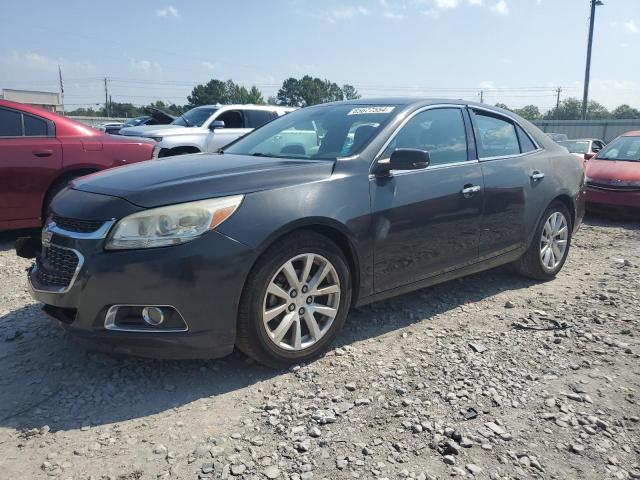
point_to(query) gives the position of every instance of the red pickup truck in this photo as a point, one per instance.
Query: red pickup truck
(40, 152)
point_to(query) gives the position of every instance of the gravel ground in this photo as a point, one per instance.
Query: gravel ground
(454, 380)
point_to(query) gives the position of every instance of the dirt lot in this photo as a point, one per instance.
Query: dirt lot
(391, 400)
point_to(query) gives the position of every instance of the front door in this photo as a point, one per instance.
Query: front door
(426, 222)
(235, 126)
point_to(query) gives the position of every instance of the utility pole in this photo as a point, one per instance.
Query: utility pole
(558, 91)
(585, 97)
(106, 97)
(481, 96)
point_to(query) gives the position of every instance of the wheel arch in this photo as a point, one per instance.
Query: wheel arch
(68, 175)
(326, 227)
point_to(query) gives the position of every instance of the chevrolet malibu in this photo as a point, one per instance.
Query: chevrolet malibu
(266, 245)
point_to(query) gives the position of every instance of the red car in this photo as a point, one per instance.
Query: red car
(40, 152)
(613, 175)
(583, 148)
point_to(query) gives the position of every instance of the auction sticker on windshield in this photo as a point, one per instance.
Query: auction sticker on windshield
(368, 110)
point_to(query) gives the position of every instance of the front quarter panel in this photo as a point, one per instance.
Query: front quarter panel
(340, 202)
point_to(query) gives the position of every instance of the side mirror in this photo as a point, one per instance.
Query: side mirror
(216, 124)
(404, 159)
(589, 156)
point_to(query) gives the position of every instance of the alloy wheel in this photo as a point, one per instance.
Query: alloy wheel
(301, 302)
(553, 241)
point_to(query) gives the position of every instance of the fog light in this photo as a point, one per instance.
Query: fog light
(152, 316)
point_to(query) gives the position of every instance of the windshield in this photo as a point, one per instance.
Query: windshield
(320, 132)
(194, 117)
(576, 146)
(622, 148)
(134, 122)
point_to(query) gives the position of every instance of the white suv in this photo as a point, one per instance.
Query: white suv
(206, 128)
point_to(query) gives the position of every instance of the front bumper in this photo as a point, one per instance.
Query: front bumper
(621, 197)
(202, 280)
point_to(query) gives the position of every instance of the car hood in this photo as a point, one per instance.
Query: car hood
(163, 118)
(612, 170)
(187, 178)
(150, 130)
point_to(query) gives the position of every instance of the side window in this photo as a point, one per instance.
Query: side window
(257, 118)
(232, 119)
(10, 123)
(496, 137)
(596, 146)
(526, 145)
(35, 127)
(439, 131)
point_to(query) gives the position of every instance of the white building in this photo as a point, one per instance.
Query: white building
(47, 100)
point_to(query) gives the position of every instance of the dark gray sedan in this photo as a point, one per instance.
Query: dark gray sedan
(267, 245)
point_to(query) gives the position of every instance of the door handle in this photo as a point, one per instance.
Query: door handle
(469, 190)
(535, 176)
(43, 153)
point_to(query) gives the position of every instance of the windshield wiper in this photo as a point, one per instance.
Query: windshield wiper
(260, 154)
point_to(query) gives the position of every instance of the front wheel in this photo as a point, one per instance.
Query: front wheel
(295, 300)
(550, 246)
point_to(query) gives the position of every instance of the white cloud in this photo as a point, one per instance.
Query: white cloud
(345, 13)
(167, 12)
(475, 3)
(144, 65)
(36, 61)
(208, 65)
(631, 27)
(446, 4)
(393, 15)
(612, 92)
(501, 8)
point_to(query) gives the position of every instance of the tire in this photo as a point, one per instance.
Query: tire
(294, 312)
(540, 263)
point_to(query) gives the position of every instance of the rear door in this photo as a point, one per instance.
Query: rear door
(427, 222)
(30, 157)
(513, 168)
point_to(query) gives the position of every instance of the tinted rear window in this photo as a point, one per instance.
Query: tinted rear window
(34, 127)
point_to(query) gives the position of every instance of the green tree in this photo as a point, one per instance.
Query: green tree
(597, 111)
(571, 109)
(625, 112)
(529, 112)
(214, 91)
(255, 96)
(308, 91)
(217, 91)
(349, 92)
(503, 106)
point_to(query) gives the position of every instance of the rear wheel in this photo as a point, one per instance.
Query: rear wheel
(549, 249)
(296, 299)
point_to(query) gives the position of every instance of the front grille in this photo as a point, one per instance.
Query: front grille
(78, 226)
(56, 266)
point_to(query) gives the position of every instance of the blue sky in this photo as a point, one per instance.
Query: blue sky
(518, 51)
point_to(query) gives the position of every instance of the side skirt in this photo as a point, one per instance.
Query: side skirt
(445, 277)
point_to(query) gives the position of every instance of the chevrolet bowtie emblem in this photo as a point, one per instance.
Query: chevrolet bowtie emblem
(47, 234)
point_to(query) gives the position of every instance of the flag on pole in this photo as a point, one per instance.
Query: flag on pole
(61, 88)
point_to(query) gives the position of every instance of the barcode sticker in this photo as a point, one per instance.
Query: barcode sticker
(367, 110)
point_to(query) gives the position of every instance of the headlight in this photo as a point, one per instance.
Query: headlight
(157, 139)
(171, 225)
